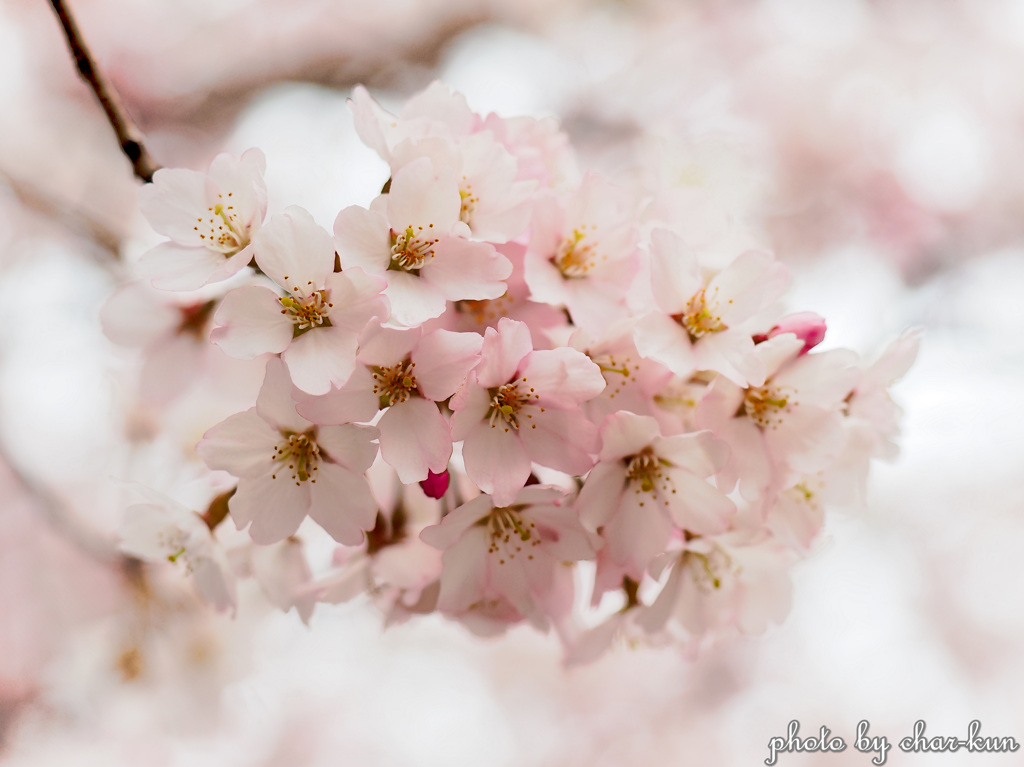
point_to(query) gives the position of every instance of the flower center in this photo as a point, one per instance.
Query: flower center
(576, 255)
(227, 234)
(396, 383)
(411, 249)
(506, 403)
(766, 405)
(509, 533)
(644, 469)
(708, 570)
(699, 319)
(469, 203)
(307, 312)
(301, 454)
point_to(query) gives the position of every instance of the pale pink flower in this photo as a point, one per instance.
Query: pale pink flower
(407, 372)
(495, 206)
(788, 427)
(632, 381)
(701, 322)
(288, 467)
(583, 253)
(283, 574)
(548, 325)
(317, 323)
(162, 530)
(210, 217)
(502, 561)
(414, 237)
(645, 485)
(735, 581)
(433, 113)
(541, 148)
(521, 405)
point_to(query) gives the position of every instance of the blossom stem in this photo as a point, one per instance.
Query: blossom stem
(128, 134)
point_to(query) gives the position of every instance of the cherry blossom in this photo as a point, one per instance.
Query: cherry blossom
(316, 324)
(289, 467)
(644, 484)
(163, 530)
(701, 322)
(407, 373)
(582, 253)
(521, 405)
(501, 561)
(210, 218)
(414, 236)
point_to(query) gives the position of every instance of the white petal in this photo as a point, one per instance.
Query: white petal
(176, 267)
(250, 322)
(349, 445)
(342, 504)
(363, 239)
(295, 252)
(275, 507)
(415, 437)
(502, 351)
(173, 202)
(242, 444)
(321, 358)
(276, 403)
(413, 299)
(497, 461)
(462, 269)
(423, 196)
(443, 360)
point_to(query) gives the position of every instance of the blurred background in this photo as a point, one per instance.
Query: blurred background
(875, 145)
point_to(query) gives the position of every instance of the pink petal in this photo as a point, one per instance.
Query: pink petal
(626, 433)
(563, 440)
(275, 507)
(457, 523)
(353, 402)
(502, 351)
(363, 239)
(413, 299)
(664, 340)
(443, 360)
(276, 401)
(675, 271)
(242, 444)
(357, 299)
(250, 322)
(563, 377)
(462, 269)
(423, 196)
(601, 494)
(321, 358)
(415, 438)
(349, 445)
(173, 202)
(497, 462)
(342, 504)
(295, 252)
(176, 267)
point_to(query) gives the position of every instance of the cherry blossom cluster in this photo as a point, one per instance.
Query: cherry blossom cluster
(496, 370)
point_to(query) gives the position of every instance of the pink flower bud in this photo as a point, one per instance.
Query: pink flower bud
(435, 485)
(807, 326)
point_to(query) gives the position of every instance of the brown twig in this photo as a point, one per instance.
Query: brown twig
(128, 134)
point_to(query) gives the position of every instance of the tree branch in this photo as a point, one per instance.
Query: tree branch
(128, 134)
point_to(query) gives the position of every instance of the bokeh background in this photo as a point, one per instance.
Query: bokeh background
(875, 145)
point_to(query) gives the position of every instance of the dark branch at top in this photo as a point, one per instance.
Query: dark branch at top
(128, 134)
